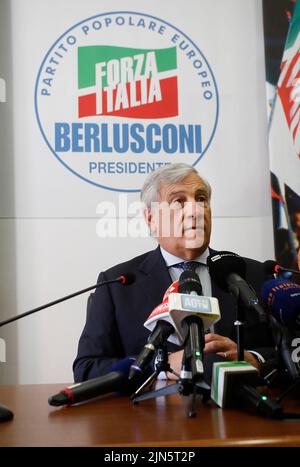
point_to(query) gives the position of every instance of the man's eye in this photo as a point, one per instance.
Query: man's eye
(201, 199)
(177, 203)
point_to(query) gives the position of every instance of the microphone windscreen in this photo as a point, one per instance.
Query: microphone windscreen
(189, 282)
(128, 278)
(283, 300)
(270, 267)
(122, 367)
(224, 263)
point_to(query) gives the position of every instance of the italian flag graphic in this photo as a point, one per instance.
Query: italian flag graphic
(127, 82)
(284, 146)
(288, 87)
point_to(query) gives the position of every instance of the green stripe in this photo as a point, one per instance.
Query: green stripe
(90, 55)
(294, 27)
(226, 365)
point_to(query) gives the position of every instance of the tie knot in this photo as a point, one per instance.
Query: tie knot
(187, 265)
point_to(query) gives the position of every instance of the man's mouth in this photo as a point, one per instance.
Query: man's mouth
(193, 230)
(192, 227)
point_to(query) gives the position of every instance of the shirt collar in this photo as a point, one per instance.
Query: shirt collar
(171, 259)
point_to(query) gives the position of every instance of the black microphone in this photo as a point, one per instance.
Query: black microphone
(228, 270)
(156, 339)
(124, 279)
(282, 299)
(192, 326)
(5, 414)
(272, 267)
(114, 381)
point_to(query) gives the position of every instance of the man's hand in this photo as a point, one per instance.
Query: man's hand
(214, 343)
(225, 347)
(175, 361)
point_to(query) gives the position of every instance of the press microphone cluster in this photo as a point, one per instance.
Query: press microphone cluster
(182, 302)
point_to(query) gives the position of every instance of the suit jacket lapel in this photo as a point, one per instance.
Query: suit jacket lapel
(157, 277)
(227, 309)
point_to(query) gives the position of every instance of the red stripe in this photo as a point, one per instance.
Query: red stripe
(276, 196)
(167, 107)
(123, 280)
(69, 394)
(284, 91)
(87, 105)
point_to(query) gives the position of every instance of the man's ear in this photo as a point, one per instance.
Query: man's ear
(149, 218)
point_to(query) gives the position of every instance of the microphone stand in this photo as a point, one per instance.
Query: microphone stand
(239, 323)
(5, 413)
(283, 340)
(189, 383)
(161, 364)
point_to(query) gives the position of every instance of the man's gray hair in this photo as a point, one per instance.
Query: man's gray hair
(166, 174)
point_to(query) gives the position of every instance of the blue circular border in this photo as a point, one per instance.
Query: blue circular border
(89, 19)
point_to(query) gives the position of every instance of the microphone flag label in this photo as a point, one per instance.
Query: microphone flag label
(193, 303)
(224, 375)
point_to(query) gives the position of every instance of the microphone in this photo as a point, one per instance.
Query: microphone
(234, 383)
(228, 270)
(124, 279)
(192, 327)
(191, 303)
(162, 329)
(161, 312)
(283, 300)
(192, 314)
(5, 414)
(115, 381)
(272, 267)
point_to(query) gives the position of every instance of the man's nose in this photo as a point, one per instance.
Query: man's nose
(193, 208)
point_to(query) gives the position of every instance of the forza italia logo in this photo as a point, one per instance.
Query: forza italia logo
(112, 112)
(133, 83)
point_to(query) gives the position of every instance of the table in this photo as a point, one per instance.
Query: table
(112, 420)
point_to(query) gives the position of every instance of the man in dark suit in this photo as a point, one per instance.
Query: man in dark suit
(178, 214)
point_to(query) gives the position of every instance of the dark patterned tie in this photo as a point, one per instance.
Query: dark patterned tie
(187, 265)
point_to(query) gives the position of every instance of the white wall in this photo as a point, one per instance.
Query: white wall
(46, 254)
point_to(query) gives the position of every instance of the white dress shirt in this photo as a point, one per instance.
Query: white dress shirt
(202, 269)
